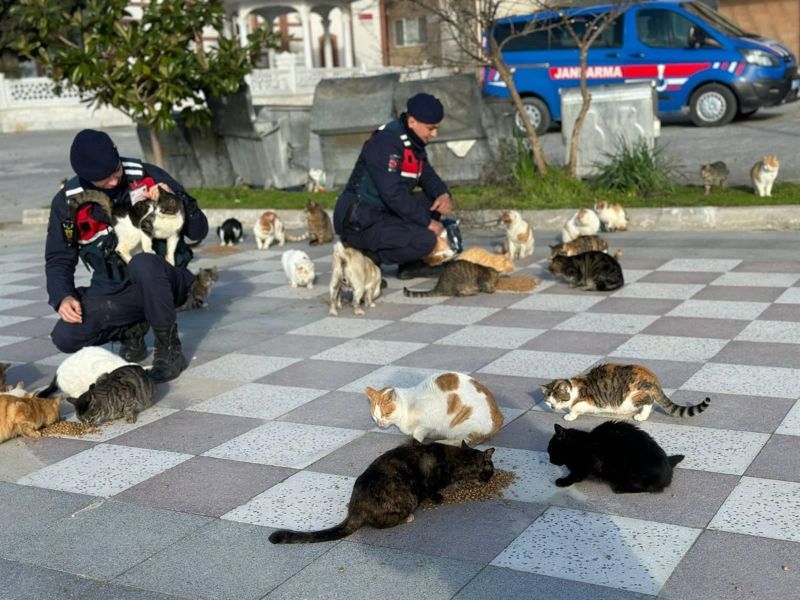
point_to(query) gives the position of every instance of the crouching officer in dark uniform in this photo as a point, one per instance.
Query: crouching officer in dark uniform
(378, 212)
(123, 300)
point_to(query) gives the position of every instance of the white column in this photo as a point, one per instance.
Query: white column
(327, 46)
(347, 35)
(308, 48)
(241, 20)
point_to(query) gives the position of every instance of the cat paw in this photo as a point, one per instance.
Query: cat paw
(130, 419)
(359, 312)
(639, 417)
(310, 286)
(570, 417)
(563, 482)
(410, 518)
(294, 285)
(333, 312)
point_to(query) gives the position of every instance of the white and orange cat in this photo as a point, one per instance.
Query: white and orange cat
(583, 222)
(612, 216)
(763, 175)
(12, 390)
(519, 234)
(24, 416)
(451, 407)
(269, 229)
(441, 253)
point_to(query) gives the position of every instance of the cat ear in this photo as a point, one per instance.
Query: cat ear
(487, 455)
(71, 400)
(464, 445)
(560, 431)
(371, 393)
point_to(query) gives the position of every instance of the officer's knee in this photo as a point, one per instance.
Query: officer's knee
(143, 265)
(64, 338)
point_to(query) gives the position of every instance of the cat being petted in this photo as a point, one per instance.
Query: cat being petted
(26, 415)
(200, 289)
(622, 390)
(395, 484)
(80, 370)
(763, 175)
(619, 453)
(230, 232)
(460, 278)
(124, 392)
(269, 229)
(298, 268)
(715, 173)
(589, 271)
(452, 407)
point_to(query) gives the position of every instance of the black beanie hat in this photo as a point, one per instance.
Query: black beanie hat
(425, 109)
(93, 155)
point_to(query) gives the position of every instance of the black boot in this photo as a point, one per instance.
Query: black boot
(168, 360)
(133, 348)
(418, 268)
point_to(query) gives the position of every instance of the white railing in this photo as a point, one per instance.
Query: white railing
(34, 91)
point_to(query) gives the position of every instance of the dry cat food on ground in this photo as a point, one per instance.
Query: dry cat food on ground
(516, 283)
(472, 491)
(70, 428)
(218, 250)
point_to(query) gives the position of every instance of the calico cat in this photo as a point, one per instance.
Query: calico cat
(201, 288)
(618, 389)
(24, 416)
(715, 173)
(519, 234)
(395, 484)
(453, 406)
(763, 175)
(269, 229)
(351, 269)
(612, 216)
(581, 244)
(460, 278)
(80, 370)
(124, 392)
(621, 454)
(320, 226)
(298, 268)
(502, 263)
(230, 232)
(583, 222)
(589, 271)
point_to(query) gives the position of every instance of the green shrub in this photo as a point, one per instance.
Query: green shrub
(637, 170)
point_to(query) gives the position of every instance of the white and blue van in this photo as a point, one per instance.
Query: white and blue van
(701, 63)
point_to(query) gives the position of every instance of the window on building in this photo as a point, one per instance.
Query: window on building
(410, 32)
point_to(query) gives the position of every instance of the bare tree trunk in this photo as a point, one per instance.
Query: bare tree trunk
(158, 153)
(508, 79)
(572, 164)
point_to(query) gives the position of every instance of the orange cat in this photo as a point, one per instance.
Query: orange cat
(23, 416)
(502, 263)
(441, 253)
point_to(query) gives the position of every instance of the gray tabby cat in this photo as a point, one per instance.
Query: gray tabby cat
(124, 392)
(589, 271)
(715, 173)
(201, 288)
(460, 278)
(579, 245)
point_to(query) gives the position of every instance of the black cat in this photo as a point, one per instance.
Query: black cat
(230, 232)
(620, 453)
(395, 484)
(589, 271)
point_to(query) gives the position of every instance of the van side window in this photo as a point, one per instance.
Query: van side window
(537, 39)
(550, 34)
(610, 37)
(660, 28)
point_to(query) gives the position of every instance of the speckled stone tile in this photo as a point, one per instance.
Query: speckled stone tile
(762, 507)
(537, 319)
(14, 277)
(660, 291)
(281, 444)
(261, 265)
(314, 374)
(617, 552)
(777, 382)
(390, 376)
(667, 347)
(581, 342)
(104, 470)
(766, 354)
(6, 320)
(464, 359)
(607, 323)
(7, 340)
(726, 329)
(769, 266)
(791, 423)
(707, 449)
(675, 277)
(241, 367)
(535, 476)
(305, 501)
(11, 289)
(780, 280)
(187, 391)
(778, 459)
(353, 459)
(558, 302)
(713, 265)
(258, 400)
(483, 336)
(452, 315)
(781, 312)
(112, 429)
(335, 409)
(289, 293)
(533, 363)
(790, 296)
(400, 331)
(366, 351)
(771, 331)
(634, 306)
(718, 309)
(732, 293)
(341, 328)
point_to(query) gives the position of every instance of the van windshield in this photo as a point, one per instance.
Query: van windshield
(714, 19)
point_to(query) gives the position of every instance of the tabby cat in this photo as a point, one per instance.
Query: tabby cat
(201, 288)
(24, 416)
(460, 278)
(618, 389)
(589, 271)
(763, 175)
(715, 173)
(621, 454)
(124, 392)
(584, 243)
(393, 486)
(502, 263)
(320, 226)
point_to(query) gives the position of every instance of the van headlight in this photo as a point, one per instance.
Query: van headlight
(759, 57)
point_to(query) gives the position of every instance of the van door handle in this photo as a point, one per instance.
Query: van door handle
(638, 55)
(613, 55)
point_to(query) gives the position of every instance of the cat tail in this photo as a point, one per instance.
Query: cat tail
(675, 459)
(414, 294)
(296, 238)
(49, 390)
(676, 410)
(343, 529)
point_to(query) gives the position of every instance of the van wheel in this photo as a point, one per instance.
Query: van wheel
(537, 113)
(712, 105)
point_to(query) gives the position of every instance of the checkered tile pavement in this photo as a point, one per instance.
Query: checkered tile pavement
(269, 427)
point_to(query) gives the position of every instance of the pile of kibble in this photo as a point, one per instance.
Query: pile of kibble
(475, 491)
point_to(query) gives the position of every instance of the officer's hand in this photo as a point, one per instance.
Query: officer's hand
(436, 227)
(443, 204)
(154, 192)
(70, 310)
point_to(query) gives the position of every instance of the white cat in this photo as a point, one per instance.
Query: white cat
(519, 234)
(583, 222)
(269, 229)
(763, 175)
(81, 370)
(452, 406)
(298, 268)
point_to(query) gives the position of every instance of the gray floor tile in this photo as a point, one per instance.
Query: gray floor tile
(530, 431)
(298, 346)
(318, 374)
(28, 582)
(336, 409)
(778, 459)
(20, 456)
(105, 540)
(412, 332)
(360, 571)
(760, 353)
(28, 350)
(496, 300)
(27, 327)
(635, 306)
(776, 266)
(224, 560)
(692, 327)
(679, 277)
(577, 341)
(450, 358)
(532, 319)
(738, 293)
(352, 459)
(106, 591)
(187, 391)
(744, 379)
(519, 392)
(782, 312)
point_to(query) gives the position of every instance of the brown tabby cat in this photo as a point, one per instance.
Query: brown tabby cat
(502, 263)
(320, 226)
(579, 245)
(201, 288)
(618, 389)
(24, 416)
(715, 173)
(589, 271)
(460, 278)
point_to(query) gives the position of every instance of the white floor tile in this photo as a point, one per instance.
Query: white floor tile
(771, 382)
(12, 288)
(791, 422)
(668, 347)
(545, 365)
(790, 296)
(757, 279)
(7, 340)
(241, 367)
(707, 265)
(6, 320)
(558, 302)
(451, 315)
(482, 336)
(340, 328)
(719, 309)
(389, 377)
(781, 332)
(258, 401)
(12, 303)
(290, 293)
(607, 323)
(374, 352)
